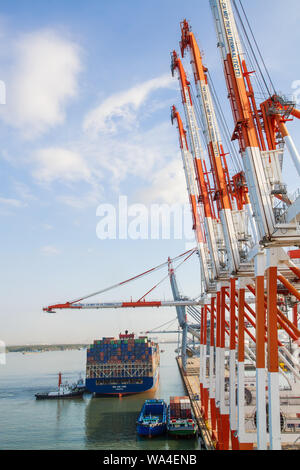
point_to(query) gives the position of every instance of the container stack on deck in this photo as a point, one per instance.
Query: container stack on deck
(180, 407)
(118, 351)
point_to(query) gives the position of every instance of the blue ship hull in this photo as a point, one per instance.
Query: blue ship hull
(148, 431)
(152, 420)
(111, 389)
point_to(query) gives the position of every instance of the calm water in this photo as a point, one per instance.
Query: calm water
(88, 423)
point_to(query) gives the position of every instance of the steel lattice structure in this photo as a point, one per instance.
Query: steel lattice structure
(256, 222)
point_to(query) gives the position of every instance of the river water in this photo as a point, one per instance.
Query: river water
(86, 423)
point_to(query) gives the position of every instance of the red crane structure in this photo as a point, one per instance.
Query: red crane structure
(257, 221)
(140, 303)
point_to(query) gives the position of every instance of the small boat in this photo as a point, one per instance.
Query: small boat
(180, 419)
(152, 420)
(64, 390)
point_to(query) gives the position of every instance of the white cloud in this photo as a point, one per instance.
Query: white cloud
(111, 158)
(50, 250)
(11, 202)
(121, 108)
(43, 79)
(90, 198)
(47, 227)
(56, 163)
(71, 170)
(23, 191)
(167, 185)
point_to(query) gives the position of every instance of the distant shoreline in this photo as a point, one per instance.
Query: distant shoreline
(45, 347)
(58, 347)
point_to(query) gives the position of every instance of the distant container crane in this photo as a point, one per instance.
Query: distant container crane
(182, 317)
(141, 303)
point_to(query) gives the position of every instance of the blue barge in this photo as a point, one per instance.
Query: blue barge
(152, 420)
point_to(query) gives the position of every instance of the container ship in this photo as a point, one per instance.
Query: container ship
(122, 366)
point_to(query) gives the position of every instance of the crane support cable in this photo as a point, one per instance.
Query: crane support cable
(196, 311)
(193, 315)
(237, 166)
(256, 44)
(153, 288)
(131, 279)
(164, 324)
(166, 277)
(258, 77)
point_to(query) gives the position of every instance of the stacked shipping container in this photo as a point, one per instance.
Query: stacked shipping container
(112, 351)
(127, 358)
(180, 407)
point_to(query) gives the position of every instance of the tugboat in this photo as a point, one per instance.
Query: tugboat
(64, 390)
(152, 420)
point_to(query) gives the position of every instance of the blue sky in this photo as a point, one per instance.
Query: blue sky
(89, 92)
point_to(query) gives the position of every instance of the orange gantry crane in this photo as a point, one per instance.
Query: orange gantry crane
(205, 194)
(197, 212)
(257, 222)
